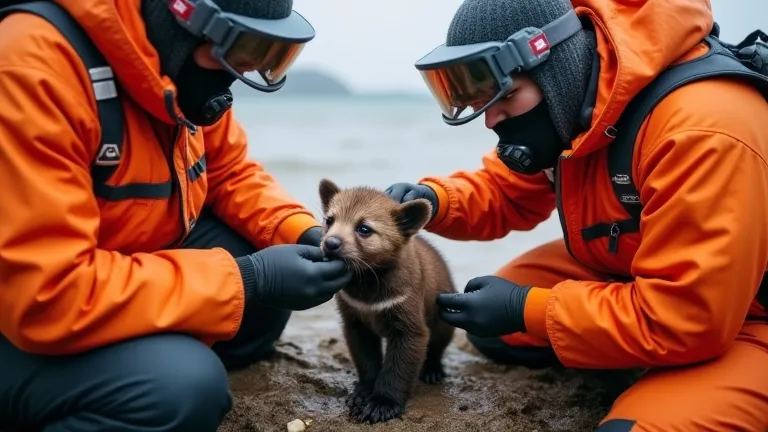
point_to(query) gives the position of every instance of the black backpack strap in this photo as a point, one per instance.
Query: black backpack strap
(719, 62)
(762, 293)
(110, 110)
(743, 61)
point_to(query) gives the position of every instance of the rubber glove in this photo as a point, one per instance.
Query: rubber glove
(489, 306)
(291, 277)
(311, 237)
(403, 192)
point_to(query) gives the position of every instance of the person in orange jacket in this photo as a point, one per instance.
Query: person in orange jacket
(677, 294)
(124, 300)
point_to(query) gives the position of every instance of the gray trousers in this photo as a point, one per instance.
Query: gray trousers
(499, 351)
(166, 382)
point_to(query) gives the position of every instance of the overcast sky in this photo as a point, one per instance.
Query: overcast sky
(373, 45)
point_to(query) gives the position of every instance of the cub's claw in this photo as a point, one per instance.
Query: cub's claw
(432, 373)
(380, 409)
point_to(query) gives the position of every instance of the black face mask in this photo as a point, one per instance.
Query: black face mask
(529, 143)
(203, 94)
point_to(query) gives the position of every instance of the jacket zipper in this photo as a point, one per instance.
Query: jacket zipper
(181, 124)
(613, 241)
(561, 214)
(191, 222)
(177, 184)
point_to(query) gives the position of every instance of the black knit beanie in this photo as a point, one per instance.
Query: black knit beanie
(174, 44)
(563, 77)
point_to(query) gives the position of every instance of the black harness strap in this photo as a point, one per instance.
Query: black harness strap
(110, 109)
(718, 62)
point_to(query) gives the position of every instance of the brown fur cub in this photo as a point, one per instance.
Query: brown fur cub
(392, 297)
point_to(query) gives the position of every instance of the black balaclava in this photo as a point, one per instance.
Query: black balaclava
(545, 130)
(198, 86)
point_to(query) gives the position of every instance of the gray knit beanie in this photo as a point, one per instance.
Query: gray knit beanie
(563, 77)
(174, 44)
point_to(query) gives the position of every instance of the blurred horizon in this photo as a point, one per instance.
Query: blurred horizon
(372, 50)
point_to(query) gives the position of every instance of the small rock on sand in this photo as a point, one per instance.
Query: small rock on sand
(296, 426)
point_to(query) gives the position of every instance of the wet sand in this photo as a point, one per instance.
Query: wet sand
(311, 374)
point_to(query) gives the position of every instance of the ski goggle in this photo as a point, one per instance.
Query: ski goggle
(479, 75)
(249, 48)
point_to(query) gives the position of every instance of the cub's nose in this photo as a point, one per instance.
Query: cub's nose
(332, 245)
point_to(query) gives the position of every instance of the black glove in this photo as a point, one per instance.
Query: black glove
(402, 192)
(311, 237)
(291, 277)
(490, 306)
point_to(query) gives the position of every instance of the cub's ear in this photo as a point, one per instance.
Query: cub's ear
(328, 190)
(411, 216)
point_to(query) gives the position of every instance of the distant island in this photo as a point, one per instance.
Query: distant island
(312, 83)
(302, 83)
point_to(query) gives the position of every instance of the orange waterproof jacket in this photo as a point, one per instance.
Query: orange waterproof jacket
(78, 272)
(700, 169)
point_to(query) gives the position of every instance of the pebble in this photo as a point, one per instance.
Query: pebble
(296, 426)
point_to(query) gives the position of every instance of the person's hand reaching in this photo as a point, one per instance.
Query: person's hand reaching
(403, 192)
(291, 277)
(489, 306)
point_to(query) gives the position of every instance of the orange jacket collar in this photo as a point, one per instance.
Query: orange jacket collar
(636, 41)
(117, 29)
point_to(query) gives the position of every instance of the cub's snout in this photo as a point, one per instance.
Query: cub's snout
(332, 246)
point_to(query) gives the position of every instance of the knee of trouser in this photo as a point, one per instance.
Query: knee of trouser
(189, 392)
(616, 425)
(256, 338)
(501, 352)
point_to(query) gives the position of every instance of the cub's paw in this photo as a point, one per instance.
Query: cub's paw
(358, 399)
(380, 409)
(432, 373)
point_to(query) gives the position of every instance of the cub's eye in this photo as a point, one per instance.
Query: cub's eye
(364, 230)
(329, 220)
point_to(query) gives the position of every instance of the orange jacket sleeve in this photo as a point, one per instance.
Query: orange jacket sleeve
(61, 293)
(702, 255)
(247, 197)
(489, 203)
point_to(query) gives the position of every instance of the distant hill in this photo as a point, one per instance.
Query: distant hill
(300, 82)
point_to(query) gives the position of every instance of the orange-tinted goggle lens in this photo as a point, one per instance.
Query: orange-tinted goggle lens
(254, 53)
(460, 86)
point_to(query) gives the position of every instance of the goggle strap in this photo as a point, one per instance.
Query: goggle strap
(562, 28)
(519, 53)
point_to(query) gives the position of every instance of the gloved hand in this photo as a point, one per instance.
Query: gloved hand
(291, 277)
(311, 237)
(402, 192)
(490, 306)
